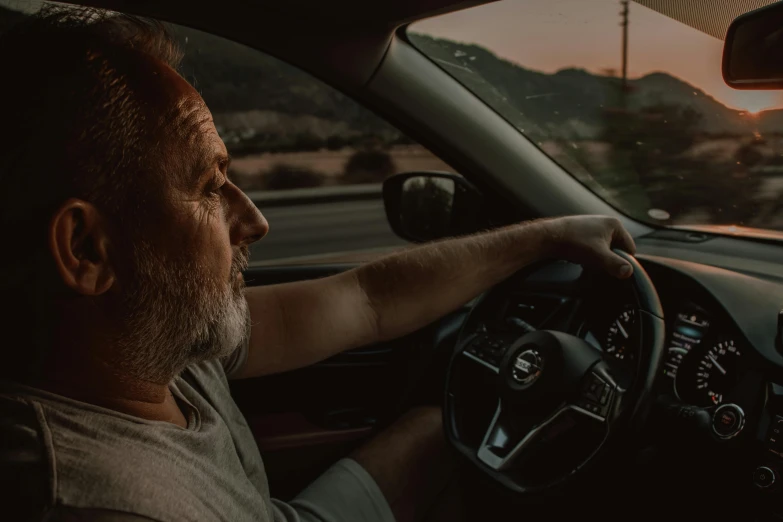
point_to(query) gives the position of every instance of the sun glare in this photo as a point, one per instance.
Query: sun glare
(756, 101)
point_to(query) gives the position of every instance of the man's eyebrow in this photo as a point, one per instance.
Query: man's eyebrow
(209, 160)
(226, 158)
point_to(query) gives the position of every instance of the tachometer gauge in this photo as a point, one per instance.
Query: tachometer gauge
(707, 379)
(621, 343)
(717, 370)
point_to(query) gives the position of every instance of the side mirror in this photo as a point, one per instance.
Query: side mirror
(422, 206)
(753, 50)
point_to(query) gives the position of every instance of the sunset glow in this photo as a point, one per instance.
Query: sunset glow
(550, 35)
(755, 101)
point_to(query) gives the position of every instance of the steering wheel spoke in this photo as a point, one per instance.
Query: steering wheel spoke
(506, 444)
(486, 349)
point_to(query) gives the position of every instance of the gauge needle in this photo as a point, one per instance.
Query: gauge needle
(620, 326)
(718, 366)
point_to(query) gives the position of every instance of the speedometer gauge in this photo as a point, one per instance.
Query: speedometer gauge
(709, 377)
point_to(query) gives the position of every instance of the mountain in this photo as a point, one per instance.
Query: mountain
(572, 98)
(770, 121)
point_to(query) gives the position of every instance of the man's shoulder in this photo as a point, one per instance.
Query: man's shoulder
(25, 486)
(58, 454)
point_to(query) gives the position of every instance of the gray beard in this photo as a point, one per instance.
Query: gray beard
(177, 316)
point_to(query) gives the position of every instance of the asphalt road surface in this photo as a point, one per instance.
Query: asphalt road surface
(315, 231)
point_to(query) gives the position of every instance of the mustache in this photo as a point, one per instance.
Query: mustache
(240, 261)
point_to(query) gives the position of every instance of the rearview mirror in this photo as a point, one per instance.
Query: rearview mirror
(422, 206)
(753, 51)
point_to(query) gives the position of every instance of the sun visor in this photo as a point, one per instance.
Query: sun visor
(712, 17)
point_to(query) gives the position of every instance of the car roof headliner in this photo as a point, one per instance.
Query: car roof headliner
(336, 13)
(341, 41)
(712, 17)
(344, 41)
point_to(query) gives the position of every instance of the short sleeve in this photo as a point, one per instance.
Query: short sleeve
(92, 515)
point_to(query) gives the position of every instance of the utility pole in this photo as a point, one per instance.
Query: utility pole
(624, 24)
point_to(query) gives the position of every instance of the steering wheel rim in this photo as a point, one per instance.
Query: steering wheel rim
(547, 381)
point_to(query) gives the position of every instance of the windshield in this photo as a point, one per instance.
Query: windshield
(630, 102)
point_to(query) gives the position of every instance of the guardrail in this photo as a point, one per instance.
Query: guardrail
(305, 196)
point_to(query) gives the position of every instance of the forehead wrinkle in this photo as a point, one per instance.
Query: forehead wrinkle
(192, 118)
(191, 123)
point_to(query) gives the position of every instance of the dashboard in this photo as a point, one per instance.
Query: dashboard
(706, 356)
(722, 362)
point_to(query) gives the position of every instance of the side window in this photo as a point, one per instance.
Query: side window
(311, 158)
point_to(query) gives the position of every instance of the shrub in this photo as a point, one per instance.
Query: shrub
(368, 166)
(284, 177)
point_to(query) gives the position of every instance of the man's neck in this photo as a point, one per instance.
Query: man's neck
(93, 380)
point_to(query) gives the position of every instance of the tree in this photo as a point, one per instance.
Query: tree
(652, 165)
(426, 207)
(371, 165)
(284, 177)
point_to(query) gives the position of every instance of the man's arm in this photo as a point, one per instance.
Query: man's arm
(298, 324)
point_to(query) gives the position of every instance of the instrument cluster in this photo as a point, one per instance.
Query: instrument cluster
(702, 362)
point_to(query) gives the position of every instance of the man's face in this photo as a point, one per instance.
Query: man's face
(183, 295)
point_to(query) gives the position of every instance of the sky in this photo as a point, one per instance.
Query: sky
(549, 35)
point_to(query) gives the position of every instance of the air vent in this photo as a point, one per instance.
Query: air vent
(685, 236)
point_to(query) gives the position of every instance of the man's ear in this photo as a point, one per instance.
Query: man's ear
(78, 240)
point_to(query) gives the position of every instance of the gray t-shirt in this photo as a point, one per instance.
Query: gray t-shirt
(60, 457)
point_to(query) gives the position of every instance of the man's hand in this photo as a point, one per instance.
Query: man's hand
(588, 240)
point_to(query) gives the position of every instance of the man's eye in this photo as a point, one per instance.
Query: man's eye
(214, 188)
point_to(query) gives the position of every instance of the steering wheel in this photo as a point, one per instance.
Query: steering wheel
(559, 401)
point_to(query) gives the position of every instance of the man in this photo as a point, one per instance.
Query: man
(127, 313)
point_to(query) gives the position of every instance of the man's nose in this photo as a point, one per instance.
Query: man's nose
(248, 225)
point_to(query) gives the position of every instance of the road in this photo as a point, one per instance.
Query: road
(313, 230)
(357, 230)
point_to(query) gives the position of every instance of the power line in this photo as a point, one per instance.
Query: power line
(624, 24)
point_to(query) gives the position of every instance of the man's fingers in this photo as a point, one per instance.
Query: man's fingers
(616, 265)
(622, 239)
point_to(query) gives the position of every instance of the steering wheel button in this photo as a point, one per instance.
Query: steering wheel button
(605, 393)
(594, 389)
